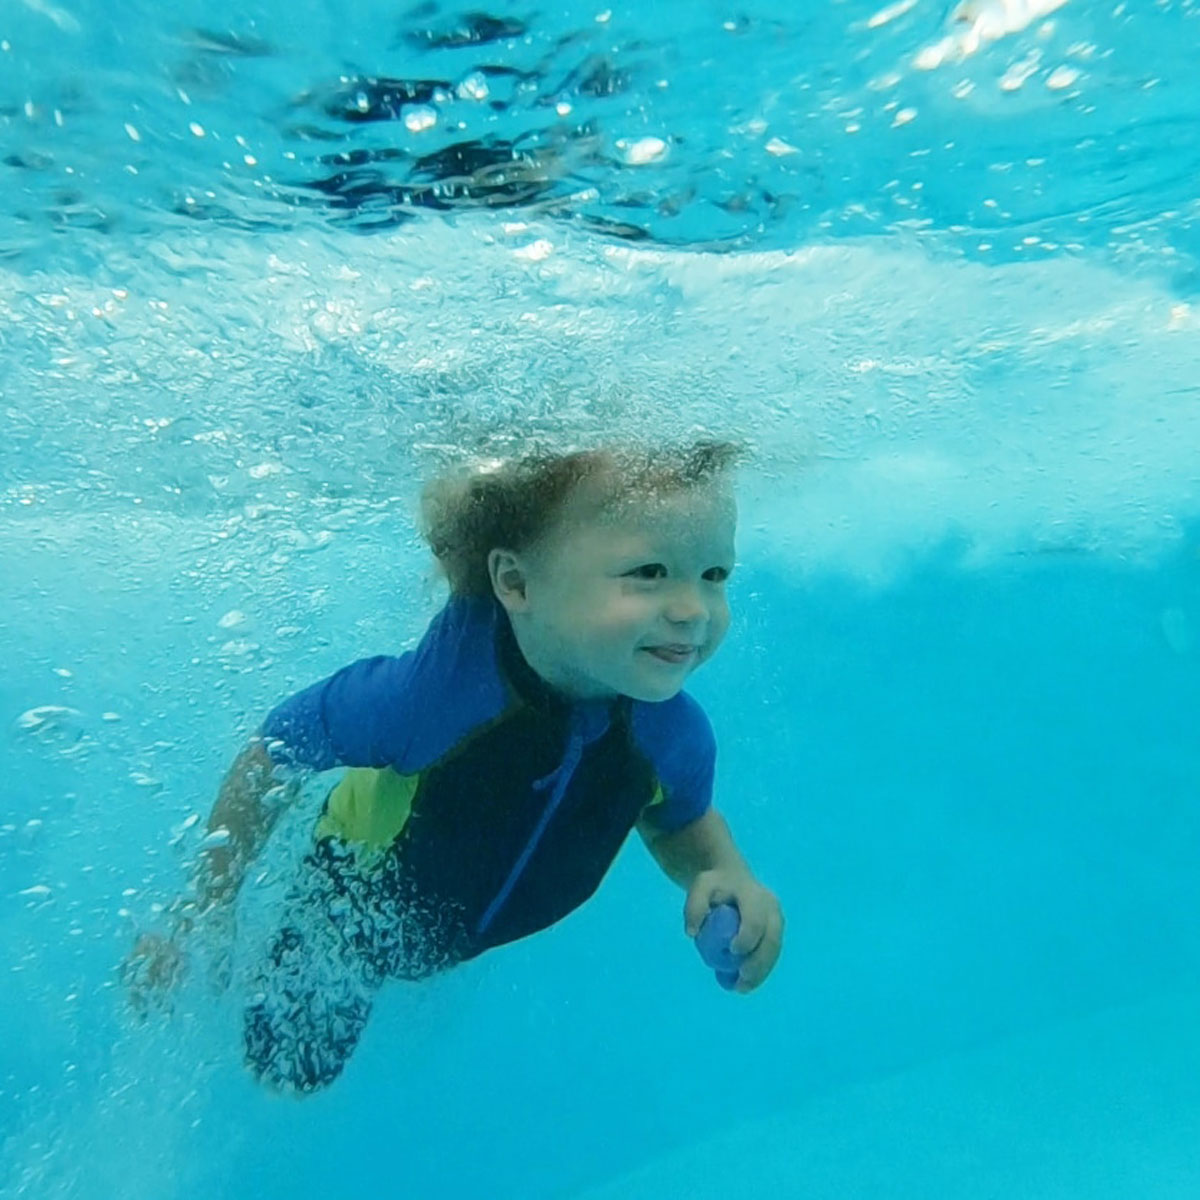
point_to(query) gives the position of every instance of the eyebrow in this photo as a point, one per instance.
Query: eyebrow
(719, 559)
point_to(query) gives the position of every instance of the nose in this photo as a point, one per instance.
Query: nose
(686, 606)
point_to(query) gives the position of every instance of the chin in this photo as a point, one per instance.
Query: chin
(656, 695)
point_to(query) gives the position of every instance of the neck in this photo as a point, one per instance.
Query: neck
(540, 659)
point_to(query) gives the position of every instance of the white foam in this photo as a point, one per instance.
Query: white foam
(896, 400)
(974, 24)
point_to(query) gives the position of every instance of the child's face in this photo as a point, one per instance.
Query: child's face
(630, 602)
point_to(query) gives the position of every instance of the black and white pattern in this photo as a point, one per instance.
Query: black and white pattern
(348, 927)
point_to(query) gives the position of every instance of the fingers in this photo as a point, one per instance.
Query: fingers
(151, 970)
(757, 907)
(751, 932)
(705, 892)
(760, 935)
(761, 959)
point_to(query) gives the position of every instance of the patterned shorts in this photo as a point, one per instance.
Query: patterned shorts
(347, 929)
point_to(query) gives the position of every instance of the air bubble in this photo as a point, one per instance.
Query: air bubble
(238, 648)
(52, 723)
(420, 117)
(890, 13)
(1062, 77)
(1016, 76)
(180, 830)
(643, 151)
(218, 837)
(778, 147)
(473, 87)
(535, 251)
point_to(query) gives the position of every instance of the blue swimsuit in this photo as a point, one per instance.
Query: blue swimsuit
(480, 806)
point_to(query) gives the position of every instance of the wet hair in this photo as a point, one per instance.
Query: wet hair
(514, 503)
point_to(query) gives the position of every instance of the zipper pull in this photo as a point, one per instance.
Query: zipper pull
(566, 768)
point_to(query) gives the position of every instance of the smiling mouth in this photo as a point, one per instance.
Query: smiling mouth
(671, 654)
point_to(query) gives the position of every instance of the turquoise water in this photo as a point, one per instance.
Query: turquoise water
(942, 280)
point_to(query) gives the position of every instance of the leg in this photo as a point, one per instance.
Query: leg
(312, 995)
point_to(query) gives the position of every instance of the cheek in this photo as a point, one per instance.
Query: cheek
(719, 623)
(625, 623)
(622, 609)
(604, 617)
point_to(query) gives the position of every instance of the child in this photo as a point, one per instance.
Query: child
(496, 770)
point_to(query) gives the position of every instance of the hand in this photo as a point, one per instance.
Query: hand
(151, 971)
(156, 965)
(760, 934)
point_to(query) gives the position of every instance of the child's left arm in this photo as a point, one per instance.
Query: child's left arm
(702, 858)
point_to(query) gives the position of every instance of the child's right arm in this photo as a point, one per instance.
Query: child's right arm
(238, 827)
(365, 715)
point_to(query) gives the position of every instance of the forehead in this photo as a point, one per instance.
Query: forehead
(698, 517)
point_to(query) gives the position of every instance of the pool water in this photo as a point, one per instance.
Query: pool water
(263, 264)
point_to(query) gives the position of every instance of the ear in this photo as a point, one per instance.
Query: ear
(508, 580)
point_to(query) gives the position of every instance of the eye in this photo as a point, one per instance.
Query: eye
(648, 571)
(717, 574)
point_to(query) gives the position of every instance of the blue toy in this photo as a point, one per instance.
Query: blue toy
(713, 941)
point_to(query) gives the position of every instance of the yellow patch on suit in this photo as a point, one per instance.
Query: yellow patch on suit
(659, 798)
(369, 807)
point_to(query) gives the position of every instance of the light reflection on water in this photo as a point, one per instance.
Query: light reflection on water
(1006, 128)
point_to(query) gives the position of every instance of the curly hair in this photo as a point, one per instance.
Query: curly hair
(514, 503)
